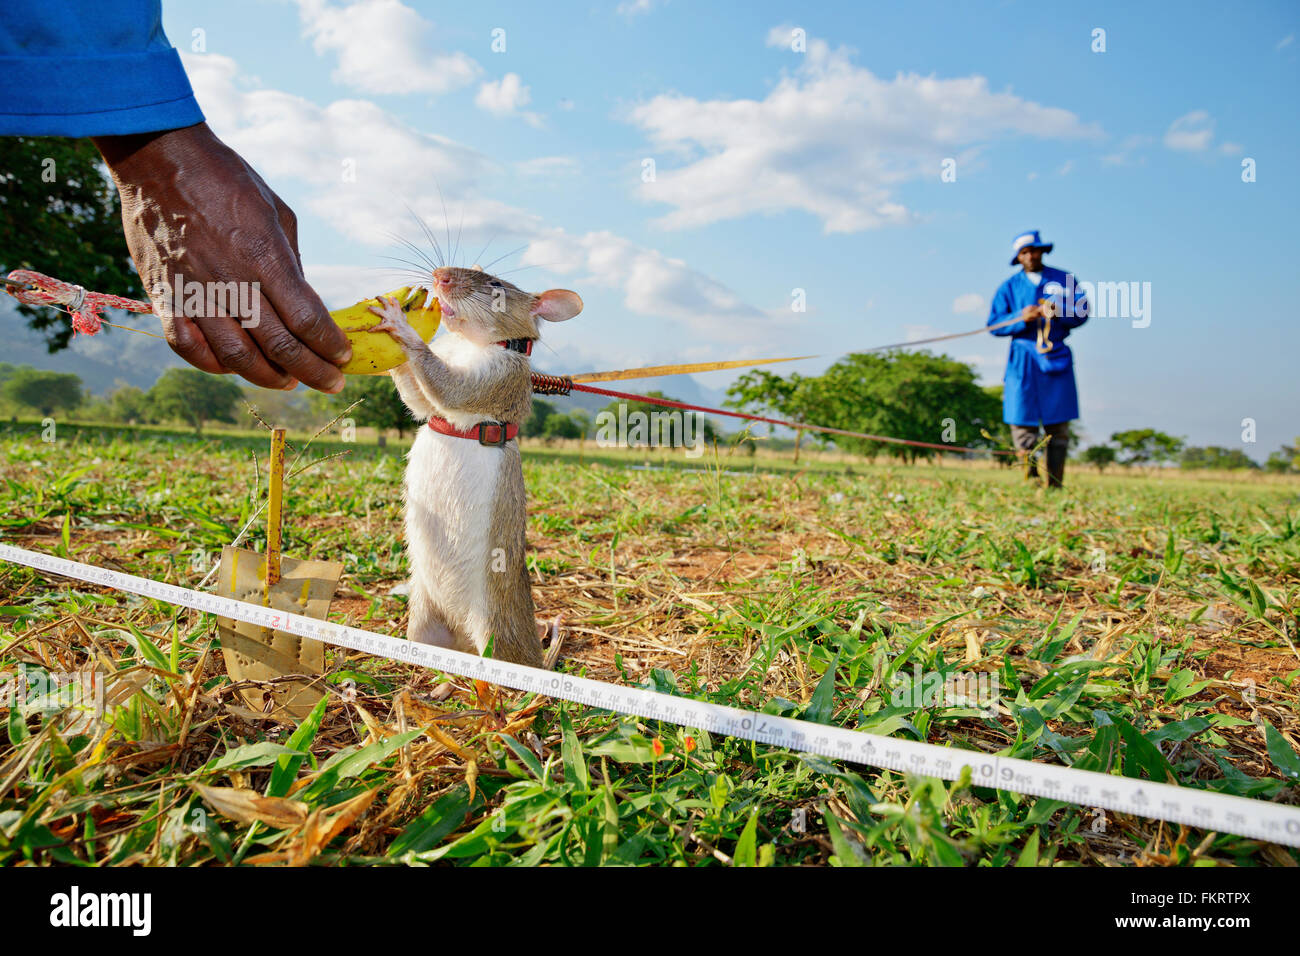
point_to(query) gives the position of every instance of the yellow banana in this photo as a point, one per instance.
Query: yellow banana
(374, 353)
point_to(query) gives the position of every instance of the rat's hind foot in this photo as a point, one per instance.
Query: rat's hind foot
(555, 632)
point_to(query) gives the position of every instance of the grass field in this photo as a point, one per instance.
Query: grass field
(1145, 625)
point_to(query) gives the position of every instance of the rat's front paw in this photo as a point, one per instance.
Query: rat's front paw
(394, 323)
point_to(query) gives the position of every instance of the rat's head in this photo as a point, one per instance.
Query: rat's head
(485, 309)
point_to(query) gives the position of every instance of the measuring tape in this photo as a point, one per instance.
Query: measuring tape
(1203, 809)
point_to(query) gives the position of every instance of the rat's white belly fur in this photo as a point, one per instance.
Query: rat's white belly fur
(448, 542)
(451, 492)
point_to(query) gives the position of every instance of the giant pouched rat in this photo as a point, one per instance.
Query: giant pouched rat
(465, 499)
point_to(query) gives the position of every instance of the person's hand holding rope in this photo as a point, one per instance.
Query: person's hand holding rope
(192, 207)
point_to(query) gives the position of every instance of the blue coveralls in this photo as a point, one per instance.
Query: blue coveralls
(1032, 394)
(100, 68)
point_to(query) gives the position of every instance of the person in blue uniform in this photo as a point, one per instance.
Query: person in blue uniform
(190, 205)
(1041, 305)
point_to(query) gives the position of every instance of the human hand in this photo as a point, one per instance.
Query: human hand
(1030, 314)
(194, 211)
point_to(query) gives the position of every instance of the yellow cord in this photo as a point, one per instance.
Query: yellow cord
(129, 329)
(113, 324)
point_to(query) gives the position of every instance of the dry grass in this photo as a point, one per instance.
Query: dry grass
(743, 588)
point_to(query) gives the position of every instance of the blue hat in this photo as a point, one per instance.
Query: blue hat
(1029, 239)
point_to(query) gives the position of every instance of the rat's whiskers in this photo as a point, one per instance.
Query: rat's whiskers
(428, 234)
(488, 267)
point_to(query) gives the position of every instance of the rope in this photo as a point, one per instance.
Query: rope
(654, 371)
(548, 385)
(85, 307)
(1044, 344)
(552, 384)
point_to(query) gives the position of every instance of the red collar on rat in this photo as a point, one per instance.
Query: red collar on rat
(494, 434)
(487, 433)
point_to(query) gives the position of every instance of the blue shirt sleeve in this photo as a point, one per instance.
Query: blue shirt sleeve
(90, 68)
(1001, 309)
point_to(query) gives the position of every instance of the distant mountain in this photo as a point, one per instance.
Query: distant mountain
(101, 360)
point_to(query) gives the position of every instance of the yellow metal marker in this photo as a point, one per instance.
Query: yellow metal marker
(262, 656)
(274, 511)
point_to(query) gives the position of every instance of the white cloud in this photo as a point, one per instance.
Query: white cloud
(831, 139)
(630, 8)
(652, 284)
(340, 286)
(1065, 168)
(1285, 42)
(1191, 132)
(287, 137)
(383, 46)
(1231, 149)
(361, 160)
(971, 303)
(506, 97)
(1123, 156)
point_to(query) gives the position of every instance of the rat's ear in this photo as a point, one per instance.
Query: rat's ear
(556, 305)
(476, 268)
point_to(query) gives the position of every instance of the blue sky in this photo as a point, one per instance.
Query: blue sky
(778, 170)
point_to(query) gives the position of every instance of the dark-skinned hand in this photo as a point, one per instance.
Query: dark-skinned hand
(191, 205)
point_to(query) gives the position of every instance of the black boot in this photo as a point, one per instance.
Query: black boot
(1056, 454)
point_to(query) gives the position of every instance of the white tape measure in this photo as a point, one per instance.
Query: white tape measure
(1203, 809)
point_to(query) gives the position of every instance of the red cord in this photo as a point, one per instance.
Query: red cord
(669, 403)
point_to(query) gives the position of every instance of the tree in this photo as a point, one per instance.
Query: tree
(1213, 456)
(571, 425)
(534, 426)
(194, 397)
(1285, 459)
(59, 208)
(381, 406)
(43, 391)
(289, 409)
(1099, 455)
(764, 393)
(130, 405)
(918, 396)
(645, 424)
(1140, 445)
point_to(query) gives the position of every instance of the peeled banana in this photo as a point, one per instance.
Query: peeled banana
(374, 353)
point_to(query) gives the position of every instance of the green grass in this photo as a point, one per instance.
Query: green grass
(1142, 625)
